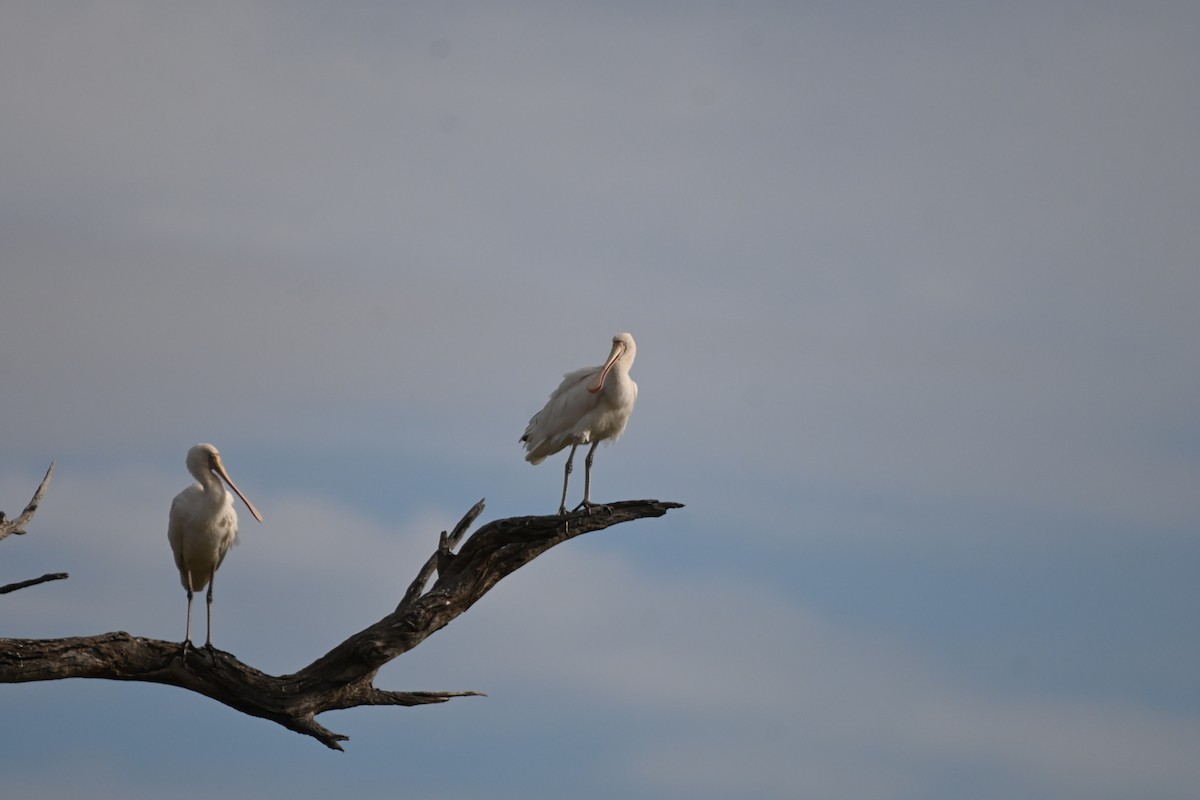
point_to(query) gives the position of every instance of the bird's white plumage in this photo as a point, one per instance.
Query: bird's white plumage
(591, 405)
(203, 525)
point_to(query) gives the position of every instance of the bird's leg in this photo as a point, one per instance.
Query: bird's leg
(208, 639)
(562, 507)
(587, 478)
(187, 636)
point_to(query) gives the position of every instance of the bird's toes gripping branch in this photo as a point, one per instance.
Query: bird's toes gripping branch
(588, 508)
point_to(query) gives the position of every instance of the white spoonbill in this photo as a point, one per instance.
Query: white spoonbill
(203, 527)
(590, 405)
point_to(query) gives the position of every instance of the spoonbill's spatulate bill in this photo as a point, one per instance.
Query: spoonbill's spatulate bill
(590, 405)
(203, 526)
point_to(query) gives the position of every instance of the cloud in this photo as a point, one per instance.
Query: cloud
(765, 697)
(745, 677)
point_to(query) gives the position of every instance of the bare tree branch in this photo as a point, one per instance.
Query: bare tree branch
(446, 542)
(17, 526)
(50, 576)
(342, 678)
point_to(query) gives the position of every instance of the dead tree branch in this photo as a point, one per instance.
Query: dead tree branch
(50, 576)
(343, 677)
(17, 526)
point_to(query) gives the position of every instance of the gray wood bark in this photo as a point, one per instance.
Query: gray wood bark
(16, 527)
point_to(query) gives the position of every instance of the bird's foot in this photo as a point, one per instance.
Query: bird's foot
(186, 644)
(587, 507)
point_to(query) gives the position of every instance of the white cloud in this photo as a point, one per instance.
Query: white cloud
(753, 694)
(735, 687)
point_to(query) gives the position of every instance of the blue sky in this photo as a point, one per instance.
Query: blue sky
(914, 288)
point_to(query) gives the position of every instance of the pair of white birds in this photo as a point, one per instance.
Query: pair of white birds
(590, 405)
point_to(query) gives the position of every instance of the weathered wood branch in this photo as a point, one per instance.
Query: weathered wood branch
(49, 576)
(17, 526)
(342, 678)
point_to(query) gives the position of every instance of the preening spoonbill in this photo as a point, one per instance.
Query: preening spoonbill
(590, 405)
(203, 527)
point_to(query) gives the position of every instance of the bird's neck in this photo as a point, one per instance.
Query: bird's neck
(211, 484)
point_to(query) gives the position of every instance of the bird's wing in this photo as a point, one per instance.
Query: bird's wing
(577, 376)
(175, 531)
(548, 431)
(234, 536)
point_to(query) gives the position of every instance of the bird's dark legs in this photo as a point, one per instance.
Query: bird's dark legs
(187, 636)
(587, 474)
(562, 507)
(587, 478)
(208, 639)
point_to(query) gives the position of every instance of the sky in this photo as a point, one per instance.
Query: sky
(914, 287)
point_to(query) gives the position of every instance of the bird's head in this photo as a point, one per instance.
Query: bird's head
(623, 351)
(206, 458)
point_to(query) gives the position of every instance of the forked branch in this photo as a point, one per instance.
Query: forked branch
(17, 527)
(343, 677)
